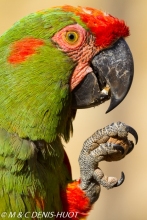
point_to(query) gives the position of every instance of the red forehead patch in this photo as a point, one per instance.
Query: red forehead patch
(105, 27)
(22, 49)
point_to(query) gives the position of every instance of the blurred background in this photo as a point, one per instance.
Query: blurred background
(129, 201)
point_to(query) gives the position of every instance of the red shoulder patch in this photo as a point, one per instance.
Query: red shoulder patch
(22, 49)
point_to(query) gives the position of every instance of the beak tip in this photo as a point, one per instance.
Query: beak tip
(109, 109)
(114, 103)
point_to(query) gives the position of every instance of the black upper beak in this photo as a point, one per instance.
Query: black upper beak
(112, 77)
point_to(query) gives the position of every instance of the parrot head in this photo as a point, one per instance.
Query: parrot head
(58, 60)
(105, 64)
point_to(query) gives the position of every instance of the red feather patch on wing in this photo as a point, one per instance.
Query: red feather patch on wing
(106, 28)
(22, 49)
(75, 201)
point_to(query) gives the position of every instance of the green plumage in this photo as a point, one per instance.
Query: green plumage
(35, 101)
(28, 172)
(40, 85)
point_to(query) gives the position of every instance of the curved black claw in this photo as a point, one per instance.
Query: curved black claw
(133, 132)
(121, 180)
(118, 147)
(131, 147)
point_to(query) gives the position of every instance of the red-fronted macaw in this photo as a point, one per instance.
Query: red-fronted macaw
(53, 62)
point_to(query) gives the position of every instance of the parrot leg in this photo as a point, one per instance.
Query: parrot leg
(109, 144)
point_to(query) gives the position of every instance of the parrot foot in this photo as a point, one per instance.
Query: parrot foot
(110, 144)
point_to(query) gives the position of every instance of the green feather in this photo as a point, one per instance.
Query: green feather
(35, 108)
(40, 88)
(30, 172)
(39, 104)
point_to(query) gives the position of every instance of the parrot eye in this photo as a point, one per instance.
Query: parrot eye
(71, 37)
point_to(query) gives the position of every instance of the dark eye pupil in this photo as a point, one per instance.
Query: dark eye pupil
(71, 36)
